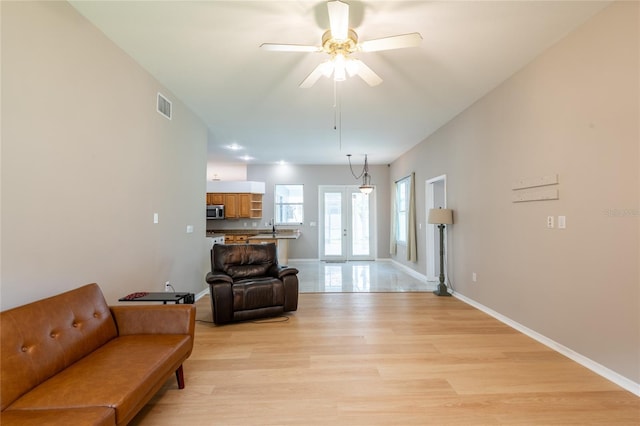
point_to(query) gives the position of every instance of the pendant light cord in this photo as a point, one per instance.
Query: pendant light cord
(364, 169)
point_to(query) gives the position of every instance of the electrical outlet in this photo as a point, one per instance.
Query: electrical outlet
(167, 286)
(549, 221)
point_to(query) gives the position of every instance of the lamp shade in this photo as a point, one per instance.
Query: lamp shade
(440, 216)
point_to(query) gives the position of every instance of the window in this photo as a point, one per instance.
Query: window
(289, 204)
(402, 202)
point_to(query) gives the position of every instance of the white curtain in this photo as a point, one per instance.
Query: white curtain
(412, 250)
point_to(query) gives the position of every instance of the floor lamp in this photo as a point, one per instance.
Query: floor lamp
(441, 217)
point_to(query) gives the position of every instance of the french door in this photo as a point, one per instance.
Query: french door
(347, 224)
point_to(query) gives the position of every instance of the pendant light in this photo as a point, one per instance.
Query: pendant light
(366, 188)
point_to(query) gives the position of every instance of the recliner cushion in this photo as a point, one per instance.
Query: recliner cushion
(242, 261)
(259, 293)
(239, 272)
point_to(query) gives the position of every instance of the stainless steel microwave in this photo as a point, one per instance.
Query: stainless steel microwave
(215, 211)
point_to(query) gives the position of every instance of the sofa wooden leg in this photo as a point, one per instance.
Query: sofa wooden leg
(180, 377)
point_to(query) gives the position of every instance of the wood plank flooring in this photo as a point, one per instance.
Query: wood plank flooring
(382, 359)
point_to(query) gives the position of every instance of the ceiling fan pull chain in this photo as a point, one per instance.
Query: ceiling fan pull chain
(337, 113)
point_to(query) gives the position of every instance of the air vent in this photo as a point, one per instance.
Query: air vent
(164, 106)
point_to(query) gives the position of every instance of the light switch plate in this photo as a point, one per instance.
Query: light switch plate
(562, 222)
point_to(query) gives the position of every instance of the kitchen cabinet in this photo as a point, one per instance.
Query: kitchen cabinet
(238, 205)
(255, 206)
(244, 205)
(235, 239)
(215, 198)
(231, 206)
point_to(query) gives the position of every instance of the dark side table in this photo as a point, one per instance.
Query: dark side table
(164, 297)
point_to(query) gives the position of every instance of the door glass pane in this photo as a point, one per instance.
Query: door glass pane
(360, 224)
(333, 224)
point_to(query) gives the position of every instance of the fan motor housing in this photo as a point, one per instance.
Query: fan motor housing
(333, 46)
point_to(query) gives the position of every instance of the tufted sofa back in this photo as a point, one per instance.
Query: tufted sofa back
(44, 337)
(241, 261)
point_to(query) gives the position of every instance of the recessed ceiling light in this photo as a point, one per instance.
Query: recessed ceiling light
(246, 158)
(234, 147)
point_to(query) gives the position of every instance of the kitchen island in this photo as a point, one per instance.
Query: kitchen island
(281, 239)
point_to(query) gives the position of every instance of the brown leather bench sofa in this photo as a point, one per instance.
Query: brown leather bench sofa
(246, 283)
(72, 360)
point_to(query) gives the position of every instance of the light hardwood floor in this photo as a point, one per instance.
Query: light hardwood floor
(382, 359)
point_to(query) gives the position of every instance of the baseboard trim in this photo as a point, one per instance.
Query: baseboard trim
(202, 294)
(597, 368)
(415, 274)
(430, 286)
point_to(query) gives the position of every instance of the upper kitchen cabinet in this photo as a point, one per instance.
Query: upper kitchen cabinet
(255, 206)
(244, 205)
(231, 210)
(214, 199)
(238, 206)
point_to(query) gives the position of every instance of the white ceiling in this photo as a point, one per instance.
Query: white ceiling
(207, 53)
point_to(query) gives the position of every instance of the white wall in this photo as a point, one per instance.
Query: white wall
(223, 171)
(573, 111)
(87, 160)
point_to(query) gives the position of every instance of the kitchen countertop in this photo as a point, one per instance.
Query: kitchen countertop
(277, 236)
(291, 234)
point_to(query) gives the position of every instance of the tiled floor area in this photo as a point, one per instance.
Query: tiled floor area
(356, 277)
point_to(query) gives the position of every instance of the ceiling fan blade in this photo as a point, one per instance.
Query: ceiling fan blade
(324, 69)
(338, 19)
(289, 47)
(393, 42)
(357, 67)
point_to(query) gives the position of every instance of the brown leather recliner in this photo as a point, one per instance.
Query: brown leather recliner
(246, 283)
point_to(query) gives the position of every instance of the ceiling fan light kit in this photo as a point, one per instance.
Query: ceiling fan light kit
(339, 42)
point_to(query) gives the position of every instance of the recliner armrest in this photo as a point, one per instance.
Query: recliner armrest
(213, 277)
(284, 270)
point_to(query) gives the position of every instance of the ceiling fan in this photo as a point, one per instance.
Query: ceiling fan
(339, 42)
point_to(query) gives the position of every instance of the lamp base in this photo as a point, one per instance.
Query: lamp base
(442, 290)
